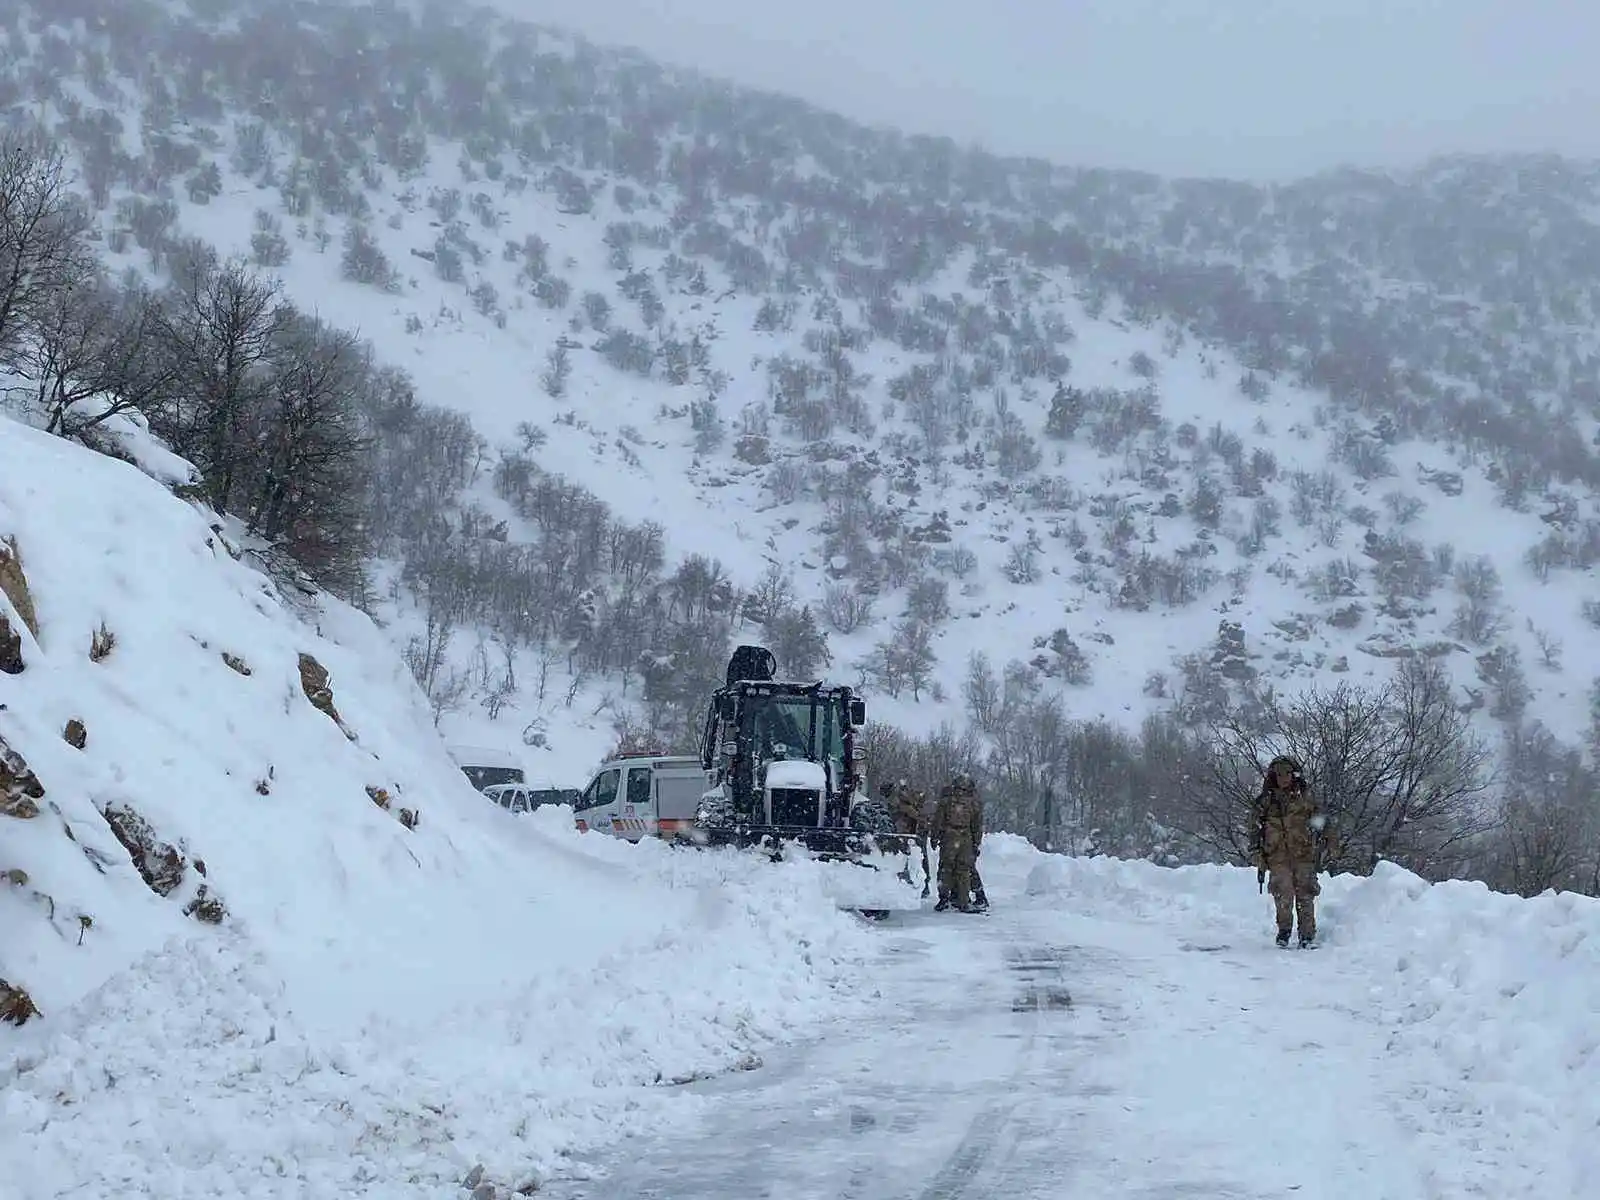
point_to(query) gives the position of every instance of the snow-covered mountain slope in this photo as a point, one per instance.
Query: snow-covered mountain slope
(837, 354)
(271, 938)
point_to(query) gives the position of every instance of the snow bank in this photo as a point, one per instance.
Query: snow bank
(399, 979)
(1500, 994)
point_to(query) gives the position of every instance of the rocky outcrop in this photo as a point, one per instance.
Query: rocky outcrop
(160, 864)
(206, 907)
(315, 683)
(101, 643)
(409, 817)
(11, 661)
(14, 583)
(20, 789)
(16, 1006)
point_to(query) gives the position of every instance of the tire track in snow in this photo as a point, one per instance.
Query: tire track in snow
(971, 1155)
(1042, 992)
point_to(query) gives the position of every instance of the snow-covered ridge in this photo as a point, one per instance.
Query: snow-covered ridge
(389, 979)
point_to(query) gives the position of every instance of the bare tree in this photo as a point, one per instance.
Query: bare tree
(772, 594)
(1477, 617)
(1428, 802)
(1548, 843)
(1594, 720)
(903, 660)
(1399, 770)
(846, 608)
(557, 370)
(92, 355)
(981, 691)
(305, 487)
(427, 657)
(800, 647)
(1550, 647)
(1030, 761)
(219, 327)
(1549, 834)
(926, 763)
(43, 245)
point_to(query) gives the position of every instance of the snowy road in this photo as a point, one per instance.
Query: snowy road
(926, 1103)
(1111, 1030)
(1040, 1052)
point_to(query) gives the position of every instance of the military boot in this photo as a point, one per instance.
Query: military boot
(980, 901)
(1283, 937)
(1306, 939)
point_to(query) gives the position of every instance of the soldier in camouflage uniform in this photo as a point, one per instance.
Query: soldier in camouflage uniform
(906, 805)
(909, 807)
(1287, 823)
(957, 832)
(933, 839)
(979, 899)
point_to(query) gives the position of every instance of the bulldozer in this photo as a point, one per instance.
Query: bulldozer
(786, 770)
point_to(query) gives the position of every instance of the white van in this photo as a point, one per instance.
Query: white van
(643, 795)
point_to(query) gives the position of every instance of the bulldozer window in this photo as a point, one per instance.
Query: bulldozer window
(788, 722)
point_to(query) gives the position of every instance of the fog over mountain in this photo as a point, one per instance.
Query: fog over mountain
(1231, 88)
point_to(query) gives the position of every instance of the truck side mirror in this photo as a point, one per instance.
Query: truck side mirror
(858, 712)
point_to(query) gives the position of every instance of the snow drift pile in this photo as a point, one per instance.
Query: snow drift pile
(1498, 995)
(258, 930)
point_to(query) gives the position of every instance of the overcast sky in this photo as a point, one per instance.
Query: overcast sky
(1243, 88)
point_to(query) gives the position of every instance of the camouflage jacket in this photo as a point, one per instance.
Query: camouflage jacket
(959, 813)
(1287, 823)
(909, 808)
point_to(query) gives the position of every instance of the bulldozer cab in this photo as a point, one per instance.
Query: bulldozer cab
(785, 770)
(785, 752)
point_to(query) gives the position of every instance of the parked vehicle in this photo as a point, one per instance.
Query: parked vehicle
(778, 765)
(485, 766)
(786, 769)
(643, 795)
(524, 798)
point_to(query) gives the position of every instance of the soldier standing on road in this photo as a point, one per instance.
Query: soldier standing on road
(979, 900)
(958, 833)
(909, 807)
(1287, 822)
(933, 840)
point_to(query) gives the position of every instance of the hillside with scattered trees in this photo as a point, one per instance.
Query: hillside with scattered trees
(576, 369)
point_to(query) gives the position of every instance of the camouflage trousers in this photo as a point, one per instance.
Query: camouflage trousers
(1294, 889)
(957, 868)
